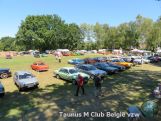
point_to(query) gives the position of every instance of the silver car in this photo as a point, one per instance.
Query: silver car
(25, 79)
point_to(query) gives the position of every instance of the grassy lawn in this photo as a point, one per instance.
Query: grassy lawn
(131, 87)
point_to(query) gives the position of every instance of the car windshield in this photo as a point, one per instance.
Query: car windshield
(72, 71)
(41, 64)
(25, 76)
(121, 60)
(91, 68)
(78, 60)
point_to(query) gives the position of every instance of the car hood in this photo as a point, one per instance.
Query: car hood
(4, 69)
(28, 80)
(110, 68)
(95, 72)
(82, 74)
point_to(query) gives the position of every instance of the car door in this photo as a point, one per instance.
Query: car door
(16, 79)
(63, 73)
(66, 74)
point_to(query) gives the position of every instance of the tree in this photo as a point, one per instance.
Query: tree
(48, 32)
(7, 43)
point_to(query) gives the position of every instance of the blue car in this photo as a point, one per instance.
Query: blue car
(106, 67)
(121, 68)
(90, 69)
(76, 61)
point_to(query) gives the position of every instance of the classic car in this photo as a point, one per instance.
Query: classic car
(122, 62)
(8, 56)
(43, 55)
(76, 61)
(89, 60)
(90, 69)
(153, 59)
(121, 68)
(70, 74)
(106, 67)
(2, 90)
(39, 66)
(25, 79)
(66, 53)
(36, 54)
(5, 73)
(140, 60)
(100, 59)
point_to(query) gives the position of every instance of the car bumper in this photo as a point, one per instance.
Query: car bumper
(30, 86)
(2, 93)
(44, 69)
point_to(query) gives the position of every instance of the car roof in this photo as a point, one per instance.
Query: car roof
(22, 72)
(87, 65)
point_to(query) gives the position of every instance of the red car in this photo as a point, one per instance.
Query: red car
(89, 60)
(39, 66)
(66, 54)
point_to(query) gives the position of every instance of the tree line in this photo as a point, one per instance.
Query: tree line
(50, 32)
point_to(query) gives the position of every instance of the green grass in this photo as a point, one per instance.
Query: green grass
(131, 87)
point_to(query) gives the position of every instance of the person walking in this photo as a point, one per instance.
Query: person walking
(59, 58)
(98, 85)
(80, 84)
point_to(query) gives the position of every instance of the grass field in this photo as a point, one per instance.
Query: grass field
(131, 87)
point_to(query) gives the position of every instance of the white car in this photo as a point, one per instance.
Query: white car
(141, 60)
(25, 79)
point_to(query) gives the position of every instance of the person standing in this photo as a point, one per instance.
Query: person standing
(80, 84)
(98, 85)
(59, 58)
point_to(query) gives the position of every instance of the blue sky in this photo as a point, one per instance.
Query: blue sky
(112, 12)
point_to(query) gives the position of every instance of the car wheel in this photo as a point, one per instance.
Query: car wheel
(4, 75)
(57, 76)
(36, 86)
(20, 89)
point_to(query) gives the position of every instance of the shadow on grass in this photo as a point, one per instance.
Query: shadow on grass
(131, 87)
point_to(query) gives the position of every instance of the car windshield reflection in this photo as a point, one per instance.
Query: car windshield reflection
(25, 76)
(72, 71)
(91, 68)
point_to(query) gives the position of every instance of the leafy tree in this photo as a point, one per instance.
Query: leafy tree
(47, 32)
(7, 43)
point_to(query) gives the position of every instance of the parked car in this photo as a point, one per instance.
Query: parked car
(25, 79)
(121, 68)
(8, 56)
(90, 69)
(106, 67)
(2, 90)
(141, 60)
(66, 53)
(43, 55)
(153, 59)
(100, 59)
(39, 66)
(70, 74)
(76, 61)
(122, 62)
(36, 54)
(89, 60)
(127, 59)
(5, 73)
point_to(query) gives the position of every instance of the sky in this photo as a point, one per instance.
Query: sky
(112, 12)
